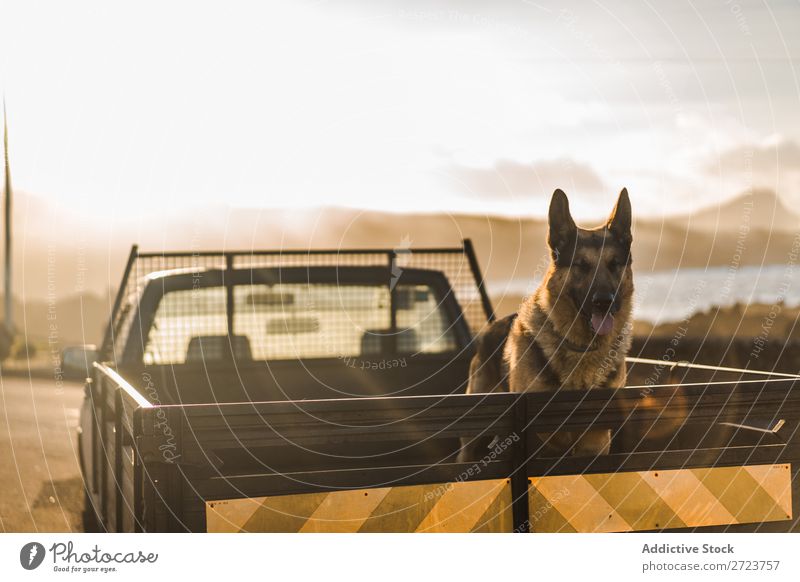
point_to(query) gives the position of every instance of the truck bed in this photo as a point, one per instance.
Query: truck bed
(177, 470)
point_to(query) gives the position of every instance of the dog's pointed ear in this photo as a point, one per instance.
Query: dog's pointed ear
(562, 230)
(619, 223)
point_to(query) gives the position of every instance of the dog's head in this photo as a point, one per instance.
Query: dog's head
(591, 268)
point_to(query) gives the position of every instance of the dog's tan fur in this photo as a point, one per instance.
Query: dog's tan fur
(550, 344)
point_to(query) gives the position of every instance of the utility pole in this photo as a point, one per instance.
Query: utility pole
(9, 303)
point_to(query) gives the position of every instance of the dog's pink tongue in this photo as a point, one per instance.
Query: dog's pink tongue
(602, 323)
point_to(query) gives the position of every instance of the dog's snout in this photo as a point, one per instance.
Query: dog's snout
(603, 300)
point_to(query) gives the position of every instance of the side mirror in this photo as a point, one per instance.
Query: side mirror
(77, 360)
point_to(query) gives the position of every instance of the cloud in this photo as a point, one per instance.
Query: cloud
(774, 165)
(510, 180)
(761, 161)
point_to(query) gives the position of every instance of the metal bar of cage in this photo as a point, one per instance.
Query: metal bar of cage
(297, 252)
(392, 258)
(229, 300)
(108, 338)
(469, 251)
(694, 366)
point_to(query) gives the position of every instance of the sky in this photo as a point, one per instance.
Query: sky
(131, 110)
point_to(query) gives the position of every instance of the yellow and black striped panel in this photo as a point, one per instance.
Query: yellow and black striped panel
(475, 506)
(648, 500)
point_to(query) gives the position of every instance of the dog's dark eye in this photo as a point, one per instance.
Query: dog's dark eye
(614, 264)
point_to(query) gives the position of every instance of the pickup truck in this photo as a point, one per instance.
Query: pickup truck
(324, 391)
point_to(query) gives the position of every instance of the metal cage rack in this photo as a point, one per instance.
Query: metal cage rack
(458, 265)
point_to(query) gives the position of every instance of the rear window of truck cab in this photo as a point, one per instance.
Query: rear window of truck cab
(280, 317)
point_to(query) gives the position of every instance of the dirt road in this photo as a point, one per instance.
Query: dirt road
(41, 489)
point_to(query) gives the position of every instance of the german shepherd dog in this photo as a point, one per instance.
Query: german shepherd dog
(574, 331)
